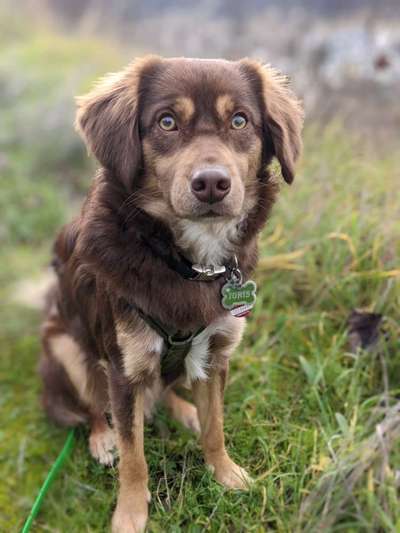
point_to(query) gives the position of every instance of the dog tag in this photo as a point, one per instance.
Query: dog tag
(239, 298)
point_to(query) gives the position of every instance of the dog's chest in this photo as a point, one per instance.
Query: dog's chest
(208, 243)
(198, 360)
(141, 349)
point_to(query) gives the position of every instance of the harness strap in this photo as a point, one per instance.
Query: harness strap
(175, 347)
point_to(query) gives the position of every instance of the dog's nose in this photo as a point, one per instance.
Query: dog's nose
(211, 185)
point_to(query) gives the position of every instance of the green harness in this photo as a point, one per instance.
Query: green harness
(175, 348)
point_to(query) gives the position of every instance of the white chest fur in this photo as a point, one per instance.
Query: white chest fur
(198, 359)
(136, 347)
(208, 243)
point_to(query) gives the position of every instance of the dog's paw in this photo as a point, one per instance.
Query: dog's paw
(126, 522)
(189, 418)
(102, 446)
(130, 515)
(229, 474)
(183, 411)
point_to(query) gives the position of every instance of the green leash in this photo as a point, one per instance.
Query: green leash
(69, 442)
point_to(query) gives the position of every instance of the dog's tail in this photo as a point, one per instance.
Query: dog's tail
(59, 397)
(33, 292)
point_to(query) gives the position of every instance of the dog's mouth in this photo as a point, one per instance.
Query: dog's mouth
(217, 211)
(208, 216)
(210, 212)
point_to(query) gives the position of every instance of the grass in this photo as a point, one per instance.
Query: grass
(302, 412)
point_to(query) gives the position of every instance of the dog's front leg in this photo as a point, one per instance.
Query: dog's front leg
(209, 399)
(127, 403)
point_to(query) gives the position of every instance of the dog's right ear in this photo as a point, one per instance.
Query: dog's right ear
(108, 120)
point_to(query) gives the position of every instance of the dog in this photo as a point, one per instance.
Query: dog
(170, 224)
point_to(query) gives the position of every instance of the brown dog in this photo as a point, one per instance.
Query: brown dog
(173, 214)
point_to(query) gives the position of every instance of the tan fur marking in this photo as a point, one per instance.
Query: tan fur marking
(183, 411)
(205, 152)
(67, 352)
(209, 401)
(139, 346)
(101, 440)
(157, 208)
(185, 107)
(177, 168)
(131, 513)
(152, 394)
(208, 397)
(224, 106)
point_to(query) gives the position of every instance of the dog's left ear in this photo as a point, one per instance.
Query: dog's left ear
(108, 120)
(283, 115)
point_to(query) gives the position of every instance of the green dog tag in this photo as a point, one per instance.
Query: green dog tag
(239, 298)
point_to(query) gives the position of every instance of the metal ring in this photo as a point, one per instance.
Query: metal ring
(236, 276)
(179, 342)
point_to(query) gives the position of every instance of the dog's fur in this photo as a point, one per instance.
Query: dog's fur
(98, 354)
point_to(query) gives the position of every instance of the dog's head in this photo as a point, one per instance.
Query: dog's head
(192, 136)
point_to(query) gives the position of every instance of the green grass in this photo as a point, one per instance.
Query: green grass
(298, 403)
(299, 407)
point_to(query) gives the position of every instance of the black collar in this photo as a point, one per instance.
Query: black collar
(175, 260)
(159, 238)
(191, 271)
(195, 271)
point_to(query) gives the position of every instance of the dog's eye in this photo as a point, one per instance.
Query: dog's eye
(239, 121)
(167, 123)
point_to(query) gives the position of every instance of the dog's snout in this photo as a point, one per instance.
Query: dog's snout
(211, 185)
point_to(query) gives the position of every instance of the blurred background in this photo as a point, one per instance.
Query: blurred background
(332, 245)
(343, 58)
